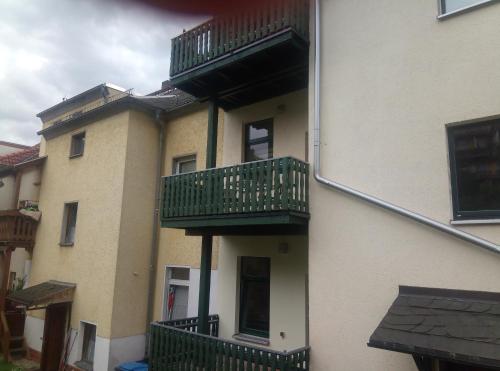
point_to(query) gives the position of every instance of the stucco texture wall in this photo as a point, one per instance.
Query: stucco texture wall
(289, 113)
(95, 180)
(138, 202)
(29, 188)
(185, 134)
(287, 287)
(392, 76)
(7, 192)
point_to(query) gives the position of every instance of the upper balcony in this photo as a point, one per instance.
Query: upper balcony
(260, 197)
(17, 229)
(243, 58)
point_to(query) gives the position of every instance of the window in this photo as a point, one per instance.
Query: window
(184, 164)
(88, 346)
(455, 6)
(176, 293)
(475, 170)
(77, 145)
(69, 223)
(259, 140)
(254, 296)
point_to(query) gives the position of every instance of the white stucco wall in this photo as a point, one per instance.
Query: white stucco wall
(393, 76)
(288, 272)
(289, 113)
(7, 192)
(29, 189)
(287, 287)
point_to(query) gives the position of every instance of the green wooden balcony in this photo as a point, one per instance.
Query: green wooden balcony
(261, 197)
(245, 57)
(175, 345)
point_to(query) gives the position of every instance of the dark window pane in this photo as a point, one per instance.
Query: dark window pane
(88, 342)
(187, 167)
(180, 273)
(255, 296)
(70, 222)
(258, 130)
(259, 140)
(476, 168)
(77, 144)
(256, 152)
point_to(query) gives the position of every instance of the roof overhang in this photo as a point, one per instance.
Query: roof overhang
(451, 325)
(144, 104)
(44, 294)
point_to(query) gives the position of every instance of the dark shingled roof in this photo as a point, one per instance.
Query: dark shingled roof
(42, 293)
(456, 325)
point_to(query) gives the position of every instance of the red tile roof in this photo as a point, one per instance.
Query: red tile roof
(23, 155)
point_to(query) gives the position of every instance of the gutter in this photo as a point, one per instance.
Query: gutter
(155, 232)
(467, 237)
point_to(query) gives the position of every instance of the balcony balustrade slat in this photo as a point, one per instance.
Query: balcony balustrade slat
(224, 34)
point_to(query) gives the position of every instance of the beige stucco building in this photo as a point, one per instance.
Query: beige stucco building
(105, 149)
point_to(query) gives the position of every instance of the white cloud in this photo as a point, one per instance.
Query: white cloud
(50, 49)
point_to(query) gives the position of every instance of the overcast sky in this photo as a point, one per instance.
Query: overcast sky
(50, 49)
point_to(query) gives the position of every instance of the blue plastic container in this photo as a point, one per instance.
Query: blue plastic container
(133, 366)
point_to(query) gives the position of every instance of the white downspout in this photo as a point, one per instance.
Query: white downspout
(488, 245)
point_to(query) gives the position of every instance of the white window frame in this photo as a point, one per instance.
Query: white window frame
(478, 4)
(80, 335)
(180, 160)
(169, 281)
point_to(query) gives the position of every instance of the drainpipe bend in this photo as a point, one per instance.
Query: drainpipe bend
(483, 243)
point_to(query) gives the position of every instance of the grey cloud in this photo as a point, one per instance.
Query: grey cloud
(50, 49)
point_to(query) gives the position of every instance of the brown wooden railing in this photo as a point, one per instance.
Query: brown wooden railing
(224, 34)
(280, 184)
(16, 228)
(174, 348)
(5, 334)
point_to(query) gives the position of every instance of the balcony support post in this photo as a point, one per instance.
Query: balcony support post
(205, 271)
(6, 257)
(207, 239)
(213, 121)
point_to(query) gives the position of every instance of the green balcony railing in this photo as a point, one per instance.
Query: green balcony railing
(175, 348)
(224, 34)
(280, 184)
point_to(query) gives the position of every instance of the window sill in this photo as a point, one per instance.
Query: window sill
(465, 9)
(66, 244)
(475, 221)
(76, 155)
(251, 339)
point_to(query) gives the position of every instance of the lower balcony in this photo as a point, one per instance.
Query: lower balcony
(17, 229)
(176, 345)
(261, 197)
